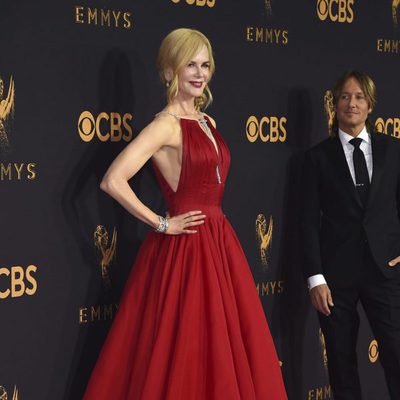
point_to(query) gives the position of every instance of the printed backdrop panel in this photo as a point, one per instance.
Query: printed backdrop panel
(79, 82)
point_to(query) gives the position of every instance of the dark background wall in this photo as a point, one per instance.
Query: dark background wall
(275, 61)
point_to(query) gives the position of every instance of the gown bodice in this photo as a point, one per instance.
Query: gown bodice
(198, 187)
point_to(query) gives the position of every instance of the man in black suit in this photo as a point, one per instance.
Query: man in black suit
(350, 229)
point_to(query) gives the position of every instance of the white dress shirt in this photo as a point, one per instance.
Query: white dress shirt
(348, 149)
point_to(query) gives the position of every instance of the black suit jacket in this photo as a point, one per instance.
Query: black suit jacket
(335, 227)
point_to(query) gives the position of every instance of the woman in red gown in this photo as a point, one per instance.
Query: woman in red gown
(190, 325)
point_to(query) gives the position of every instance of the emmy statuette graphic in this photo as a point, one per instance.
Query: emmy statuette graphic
(4, 396)
(395, 7)
(106, 252)
(264, 236)
(329, 109)
(323, 347)
(6, 110)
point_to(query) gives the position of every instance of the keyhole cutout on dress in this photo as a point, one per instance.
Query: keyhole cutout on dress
(207, 131)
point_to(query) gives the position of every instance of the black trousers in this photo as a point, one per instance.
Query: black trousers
(380, 298)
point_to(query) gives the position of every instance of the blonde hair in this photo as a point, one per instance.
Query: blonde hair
(176, 50)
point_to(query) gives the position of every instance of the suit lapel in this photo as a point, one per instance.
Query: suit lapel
(378, 159)
(340, 165)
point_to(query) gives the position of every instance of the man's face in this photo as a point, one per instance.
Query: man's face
(352, 108)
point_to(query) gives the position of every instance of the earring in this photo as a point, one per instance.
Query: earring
(167, 84)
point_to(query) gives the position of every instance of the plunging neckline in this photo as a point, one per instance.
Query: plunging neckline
(202, 121)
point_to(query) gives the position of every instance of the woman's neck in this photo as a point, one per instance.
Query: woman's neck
(183, 108)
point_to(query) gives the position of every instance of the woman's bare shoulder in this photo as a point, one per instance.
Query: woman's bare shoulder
(164, 126)
(163, 123)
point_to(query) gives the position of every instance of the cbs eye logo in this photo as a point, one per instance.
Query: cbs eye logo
(107, 127)
(373, 351)
(268, 129)
(336, 10)
(390, 126)
(199, 3)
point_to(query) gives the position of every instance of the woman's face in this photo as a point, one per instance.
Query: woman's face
(194, 76)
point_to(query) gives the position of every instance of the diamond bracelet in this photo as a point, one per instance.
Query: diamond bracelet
(163, 225)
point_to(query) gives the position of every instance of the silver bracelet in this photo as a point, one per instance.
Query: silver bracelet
(163, 225)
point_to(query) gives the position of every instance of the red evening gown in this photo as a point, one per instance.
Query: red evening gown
(190, 325)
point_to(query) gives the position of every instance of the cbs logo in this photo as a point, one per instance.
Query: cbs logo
(199, 3)
(373, 351)
(20, 281)
(390, 126)
(269, 129)
(107, 127)
(335, 10)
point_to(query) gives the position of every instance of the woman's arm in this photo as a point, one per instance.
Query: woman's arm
(157, 134)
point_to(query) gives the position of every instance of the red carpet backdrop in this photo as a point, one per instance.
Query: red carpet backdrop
(78, 81)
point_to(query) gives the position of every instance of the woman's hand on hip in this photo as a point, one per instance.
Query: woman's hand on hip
(182, 223)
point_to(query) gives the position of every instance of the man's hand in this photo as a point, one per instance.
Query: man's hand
(321, 298)
(394, 262)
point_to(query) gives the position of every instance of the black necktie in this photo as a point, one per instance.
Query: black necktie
(361, 171)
